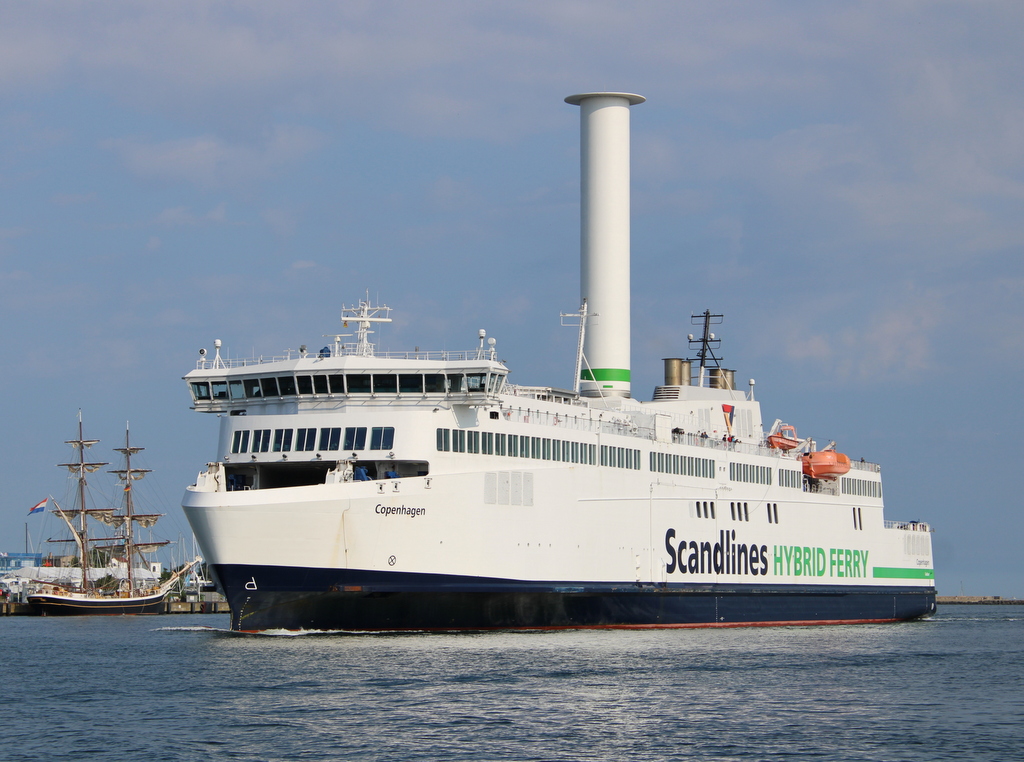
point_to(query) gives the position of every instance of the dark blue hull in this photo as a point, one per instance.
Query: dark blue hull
(57, 605)
(270, 597)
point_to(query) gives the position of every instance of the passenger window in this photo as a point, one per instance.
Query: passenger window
(355, 438)
(305, 440)
(261, 440)
(330, 438)
(282, 440)
(382, 438)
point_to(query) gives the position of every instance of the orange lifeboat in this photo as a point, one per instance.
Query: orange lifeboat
(784, 439)
(827, 464)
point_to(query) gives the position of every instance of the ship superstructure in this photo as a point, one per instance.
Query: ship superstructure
(357, 489)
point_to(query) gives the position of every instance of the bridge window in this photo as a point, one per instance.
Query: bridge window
(320, 384)
(385, 383)
(410, 383)
(305, 384)
(287, 385)
(220, 390)
(359, 383)
(337, 384)
(455, 382)
(200, 390)
(252, 387)
(236, 390)
(270, 387)
(433, 383)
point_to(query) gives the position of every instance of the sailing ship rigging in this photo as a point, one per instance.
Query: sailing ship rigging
(113, 592)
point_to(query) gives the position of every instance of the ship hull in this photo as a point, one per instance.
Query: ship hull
(265, 598)
(58, 605)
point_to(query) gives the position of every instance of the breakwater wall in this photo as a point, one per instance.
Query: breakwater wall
(987, 600)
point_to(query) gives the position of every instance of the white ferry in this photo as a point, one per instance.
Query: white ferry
(362, 490)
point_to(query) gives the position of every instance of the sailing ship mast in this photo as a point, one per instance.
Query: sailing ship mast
(118, 594)
(130, 518)
(81, 468)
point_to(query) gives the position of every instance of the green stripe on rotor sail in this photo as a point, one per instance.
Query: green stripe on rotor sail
(888, 572)
(606, 374)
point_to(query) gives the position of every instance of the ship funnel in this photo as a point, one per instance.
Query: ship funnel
(604, 240)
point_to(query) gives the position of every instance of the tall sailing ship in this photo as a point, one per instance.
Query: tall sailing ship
(106, 577)
(356, 489)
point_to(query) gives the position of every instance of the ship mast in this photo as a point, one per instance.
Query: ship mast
(80, 469)
(127, 475)
(364, 315)
(707, 343)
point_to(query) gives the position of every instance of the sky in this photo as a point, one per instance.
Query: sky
(844, 181)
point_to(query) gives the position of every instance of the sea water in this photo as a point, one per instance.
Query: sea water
(183, 688)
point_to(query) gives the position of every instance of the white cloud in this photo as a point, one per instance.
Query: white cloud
(895, 341)
(214, 162)
(281, 221)
(180, 216)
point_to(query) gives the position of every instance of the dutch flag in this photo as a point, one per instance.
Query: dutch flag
(38, 507)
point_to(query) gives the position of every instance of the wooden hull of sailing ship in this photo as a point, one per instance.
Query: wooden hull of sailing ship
(49, 604)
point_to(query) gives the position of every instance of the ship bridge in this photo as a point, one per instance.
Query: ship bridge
(341, 374)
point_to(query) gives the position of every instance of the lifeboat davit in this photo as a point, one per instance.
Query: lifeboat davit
(827, 464)
(784, 439)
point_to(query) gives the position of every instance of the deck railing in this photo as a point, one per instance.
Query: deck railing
(910, 526)
(347, 350)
